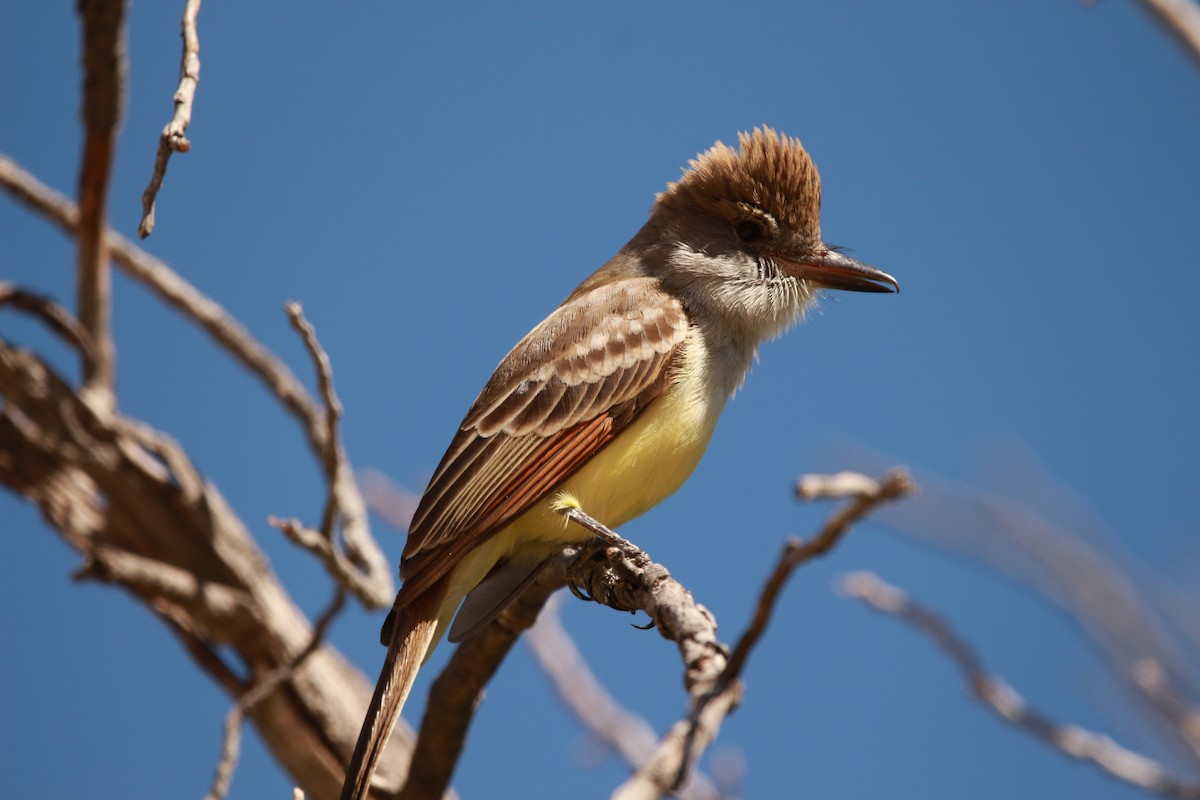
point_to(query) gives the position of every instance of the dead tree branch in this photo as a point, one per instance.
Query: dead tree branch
(867, 494)
(1182, 19)
(1030, 528)
(680, 749)
(174, 134)
(372, 581)
(624, 732)
(54, 316)
(103, 88)
(132, 504)
(231, 745)
(1005, 702)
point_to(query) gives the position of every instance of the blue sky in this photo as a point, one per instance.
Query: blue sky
(430, 182)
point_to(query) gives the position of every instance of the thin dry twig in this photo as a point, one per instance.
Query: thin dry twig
(174, 138)
(176, 292)
(1153, 681)
(621, 730)
(103, 88)
(618, 576)
(56, 318)
(996, 694)
(1031, 528)
(680, 749)
(374, 587)
(868, 495)
(344, 502)
(617, 573)
(338, 567)
(628, 580)
(1182, 19)
(232, 739)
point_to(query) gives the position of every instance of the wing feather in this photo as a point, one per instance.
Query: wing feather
(565, 391)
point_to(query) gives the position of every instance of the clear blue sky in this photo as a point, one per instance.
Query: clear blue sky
(430, 182)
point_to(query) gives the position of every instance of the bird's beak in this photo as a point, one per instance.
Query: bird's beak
(833, 270)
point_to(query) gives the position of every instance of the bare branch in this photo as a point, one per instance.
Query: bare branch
(376, 587)
(679, 751)
(1152, 679)
(868, 494)
(1033, 529)
(174, 138)
(626, 733)
(1181, 18)
(342, 571)
(993, 692)
(838, 486)
(29, 191)
(214, 607)
(616, 573)
(143, 518)
(619, 575)
(103, 88)
(57, 318)
(343, 502)
(231, 745)
(391, 502)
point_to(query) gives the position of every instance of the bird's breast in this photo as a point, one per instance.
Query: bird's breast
(650, 459)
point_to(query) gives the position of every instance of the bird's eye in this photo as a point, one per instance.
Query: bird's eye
(749, 230)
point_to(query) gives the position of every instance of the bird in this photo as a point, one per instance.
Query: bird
(608, 404)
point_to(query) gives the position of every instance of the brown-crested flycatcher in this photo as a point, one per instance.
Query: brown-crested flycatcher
(609, 403)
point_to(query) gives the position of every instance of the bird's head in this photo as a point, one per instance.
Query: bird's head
(740, 235)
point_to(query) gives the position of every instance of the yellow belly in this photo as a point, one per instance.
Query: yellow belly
(645, 464)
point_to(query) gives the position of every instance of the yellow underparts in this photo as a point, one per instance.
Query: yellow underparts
(644, 465)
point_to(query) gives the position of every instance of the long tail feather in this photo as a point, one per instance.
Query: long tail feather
(412, 631)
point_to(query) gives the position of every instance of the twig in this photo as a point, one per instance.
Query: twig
(174, 138)
(616, 573)
(624, 732)
(868, 495)
(1152, 680)
(103, 87)
(622, 576)
(391, 503)
(341, 570)
(376, 588)
(993, 692)
(57, 318)
(343, 500)
(1181, 18)
(232, 740)
(1033, 529)
(679, 750)
(180, 295)
(333, 460)
(216, 606)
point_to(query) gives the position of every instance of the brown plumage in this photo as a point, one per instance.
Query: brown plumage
(769, 172)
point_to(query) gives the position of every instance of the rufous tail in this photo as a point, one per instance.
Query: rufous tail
(412, 630)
